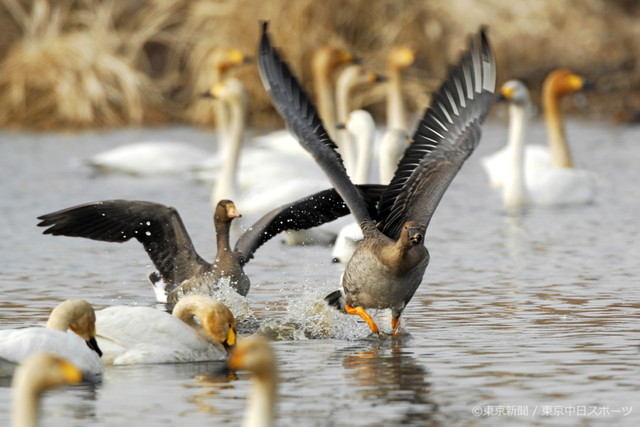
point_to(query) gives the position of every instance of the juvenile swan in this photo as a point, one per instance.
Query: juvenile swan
(387, 268)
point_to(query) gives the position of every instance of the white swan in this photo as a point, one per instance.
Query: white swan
(537, 176)
(361, 130)
(350, 79)
(38, 373)
(78, 345)
(256, 355)
(173, 157)
(200, 329)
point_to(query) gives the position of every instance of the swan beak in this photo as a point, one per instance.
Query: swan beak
(506, 93)
(341, 126)
(416, 236)
(231, 339)
(70, 372)
(93, 345)
(588, 85)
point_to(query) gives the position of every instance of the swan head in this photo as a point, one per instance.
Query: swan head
(223, 59)
(215, 322)
(42, 371)
(515, 92)
(220, 325)
(254, 354)
(225, 212)
(327, 58)
(79, 316)
(356, 75)
(400, 57)
(563, 82)
(229, 90)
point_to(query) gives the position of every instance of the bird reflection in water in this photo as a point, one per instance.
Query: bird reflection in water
(387, 373)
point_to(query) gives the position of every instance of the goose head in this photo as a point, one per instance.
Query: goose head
(412, 233)
(79, 316)
(225, 212)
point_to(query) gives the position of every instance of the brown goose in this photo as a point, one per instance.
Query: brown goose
(161, 231)
(387, 268)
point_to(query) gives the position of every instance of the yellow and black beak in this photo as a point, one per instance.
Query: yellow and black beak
(416, 236)
(231, 340)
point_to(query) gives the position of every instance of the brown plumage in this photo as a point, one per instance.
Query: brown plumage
(388, 267)
(161, 231)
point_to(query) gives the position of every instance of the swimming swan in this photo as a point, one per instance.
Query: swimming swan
(530, 174)
(69, 333)
(171, 157)
(38, 373)
(389, 265)
(199, 329)
(255, 354)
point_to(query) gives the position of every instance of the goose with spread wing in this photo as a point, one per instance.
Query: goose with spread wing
(388, 267)
(160, 229)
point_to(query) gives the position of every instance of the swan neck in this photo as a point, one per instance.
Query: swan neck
(186, 311)
(514, 189)
(226, 184)
(261, 405)
(560, 153)
(364, 142)
(396, 114)
(325, 99)
(25, 410)
(343, 138)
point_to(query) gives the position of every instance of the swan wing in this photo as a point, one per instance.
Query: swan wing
(308, 212)
(446, 136)
(303, 121)
(158, 227)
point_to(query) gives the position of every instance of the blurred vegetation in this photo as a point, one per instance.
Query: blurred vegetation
(103, 63)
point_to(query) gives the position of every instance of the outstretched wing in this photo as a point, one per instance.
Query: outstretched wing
(311, 211)
(158, 227)
(303, 121)
(446, 136)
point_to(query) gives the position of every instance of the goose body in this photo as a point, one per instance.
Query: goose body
(180, 270)
(140, 335)
(38, 373)
(388, 267)
(70, 333)
(531, 174)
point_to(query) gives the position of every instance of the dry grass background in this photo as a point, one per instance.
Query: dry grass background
(91, 63)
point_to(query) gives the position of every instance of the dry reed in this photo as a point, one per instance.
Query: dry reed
(84, 63)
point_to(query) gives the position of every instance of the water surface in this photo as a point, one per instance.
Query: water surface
(521, 320)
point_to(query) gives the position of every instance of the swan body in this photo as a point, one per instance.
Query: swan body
(70, 333)
(38, 373)
(174, 157)
(256, 355)
(141, 335)
(150, 158)
(529, 174)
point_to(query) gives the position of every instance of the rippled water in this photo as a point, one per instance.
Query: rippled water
(521, 320)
